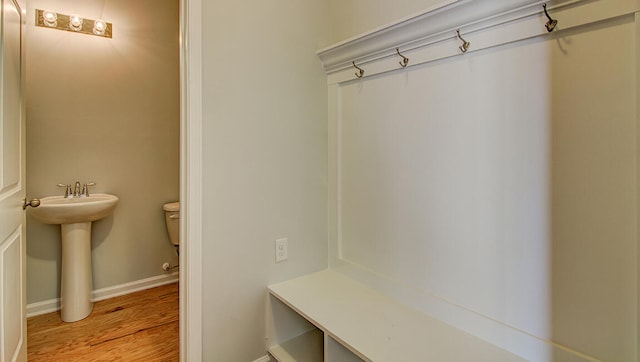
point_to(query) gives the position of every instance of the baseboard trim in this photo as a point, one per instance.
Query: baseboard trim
(53, 305)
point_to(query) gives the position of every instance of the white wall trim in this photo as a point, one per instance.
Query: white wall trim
(53, 305)
(191, 181)
(135, 286)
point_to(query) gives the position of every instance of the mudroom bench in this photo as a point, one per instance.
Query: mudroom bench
(327, 316)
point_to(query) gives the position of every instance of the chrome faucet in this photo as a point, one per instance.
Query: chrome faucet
(76, 189)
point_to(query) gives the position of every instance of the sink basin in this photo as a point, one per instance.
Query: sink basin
(61, 210)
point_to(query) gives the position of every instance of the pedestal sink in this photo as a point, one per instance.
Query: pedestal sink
(75, 216)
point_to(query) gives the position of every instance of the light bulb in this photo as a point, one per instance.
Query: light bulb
(50, 18)
(99, 27)
(75, 22)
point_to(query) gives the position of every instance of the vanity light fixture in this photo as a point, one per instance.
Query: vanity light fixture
(73, 23)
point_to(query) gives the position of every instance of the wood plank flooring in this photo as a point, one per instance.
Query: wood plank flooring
(141, 326)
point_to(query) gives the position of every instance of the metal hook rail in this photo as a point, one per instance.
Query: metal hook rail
(550, 26)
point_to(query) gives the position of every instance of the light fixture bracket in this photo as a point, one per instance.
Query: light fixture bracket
(99, 28)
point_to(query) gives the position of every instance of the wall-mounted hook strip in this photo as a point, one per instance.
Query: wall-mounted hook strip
(465, 44)
(551, 24)
(360, 72)
(405, 61)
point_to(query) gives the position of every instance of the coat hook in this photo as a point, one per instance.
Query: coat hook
(465, 44)
(403, 63)
(360, 71)
(551, 24)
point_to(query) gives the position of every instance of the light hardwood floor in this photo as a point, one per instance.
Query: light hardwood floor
(141, 326)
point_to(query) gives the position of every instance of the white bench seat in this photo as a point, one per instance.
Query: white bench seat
(376, 327)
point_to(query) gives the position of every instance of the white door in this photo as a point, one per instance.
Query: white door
(13, 328)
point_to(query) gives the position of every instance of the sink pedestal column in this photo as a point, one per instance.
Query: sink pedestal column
(76, 280)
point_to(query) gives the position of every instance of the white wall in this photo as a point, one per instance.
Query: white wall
(264, 162)
(503, 183)
(104, 110)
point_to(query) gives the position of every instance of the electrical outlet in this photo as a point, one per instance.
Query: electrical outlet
(282, 253)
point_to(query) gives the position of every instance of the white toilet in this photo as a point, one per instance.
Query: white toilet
(172, 218)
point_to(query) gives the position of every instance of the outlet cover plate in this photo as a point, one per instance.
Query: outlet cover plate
(282, 252)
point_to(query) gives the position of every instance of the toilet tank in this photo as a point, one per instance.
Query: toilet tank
(172, 219)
